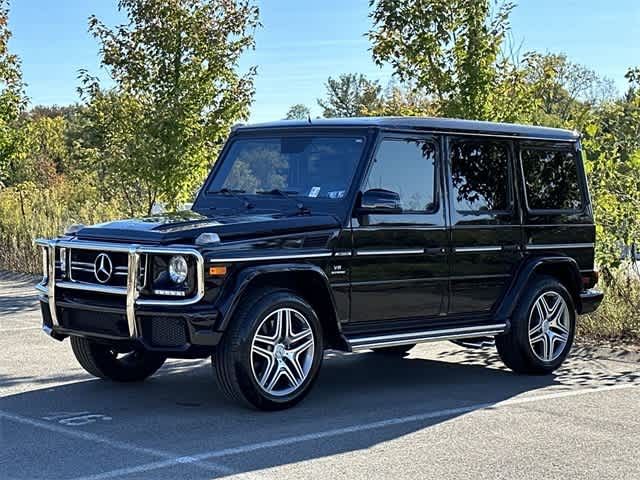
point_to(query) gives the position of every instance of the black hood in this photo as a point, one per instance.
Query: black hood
(184, 227)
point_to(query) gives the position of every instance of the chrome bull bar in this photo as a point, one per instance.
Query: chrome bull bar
(48, 286)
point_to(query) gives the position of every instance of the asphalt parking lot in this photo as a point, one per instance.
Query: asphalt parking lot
(442, 412)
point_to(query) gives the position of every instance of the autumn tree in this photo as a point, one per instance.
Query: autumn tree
(349, 95)
(177, 92)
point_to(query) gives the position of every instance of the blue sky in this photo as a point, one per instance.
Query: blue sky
(302, 42)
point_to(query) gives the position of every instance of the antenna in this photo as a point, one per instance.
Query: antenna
(309, 117)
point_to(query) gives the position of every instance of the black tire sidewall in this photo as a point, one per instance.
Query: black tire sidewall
(521, 324)
(242, 351)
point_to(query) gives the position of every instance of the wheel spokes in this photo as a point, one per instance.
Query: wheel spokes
(549, 327)
(282, 351)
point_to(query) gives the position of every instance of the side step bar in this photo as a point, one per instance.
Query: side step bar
(391, 340)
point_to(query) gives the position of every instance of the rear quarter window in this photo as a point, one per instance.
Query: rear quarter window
(551, 179)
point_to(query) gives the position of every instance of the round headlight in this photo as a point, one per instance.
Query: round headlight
(178, 269)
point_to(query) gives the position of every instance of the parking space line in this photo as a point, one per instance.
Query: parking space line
(350, 429)
(122, 445)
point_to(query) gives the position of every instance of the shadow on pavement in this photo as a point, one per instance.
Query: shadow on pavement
(181, 410)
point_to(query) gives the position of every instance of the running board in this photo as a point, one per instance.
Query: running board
(391, 340)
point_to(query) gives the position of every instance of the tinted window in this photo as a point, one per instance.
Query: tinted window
(480, 174)
(406, 167)
(551, 179)
(317, 167)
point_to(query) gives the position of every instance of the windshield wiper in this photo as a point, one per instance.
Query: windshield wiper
(286, 194)
(234, 193)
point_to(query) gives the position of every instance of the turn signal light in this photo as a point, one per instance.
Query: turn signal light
(218, 271)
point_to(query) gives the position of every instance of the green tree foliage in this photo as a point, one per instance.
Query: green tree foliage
(402, 100)
(449, 48)
(612, 146)
(298, 112)
(350, 95)
(177, 92)
(12, 98)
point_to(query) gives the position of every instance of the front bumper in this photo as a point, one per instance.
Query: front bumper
(590, 300)
(129, 317)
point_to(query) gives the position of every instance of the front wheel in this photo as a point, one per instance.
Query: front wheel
(271, 352)
(542, 329)
(102, 361)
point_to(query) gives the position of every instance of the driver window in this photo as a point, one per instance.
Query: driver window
(407, 167)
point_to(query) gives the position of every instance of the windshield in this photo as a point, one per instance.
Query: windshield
(310, 166)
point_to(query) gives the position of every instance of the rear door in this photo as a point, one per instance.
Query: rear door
(399, 270)
(486, 233)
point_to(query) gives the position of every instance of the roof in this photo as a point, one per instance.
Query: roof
(425, 123)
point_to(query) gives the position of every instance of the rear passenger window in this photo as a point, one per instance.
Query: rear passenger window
(480, 176)
(551, 179)
(406, 167)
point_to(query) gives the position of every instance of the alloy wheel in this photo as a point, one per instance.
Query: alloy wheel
(282, 352)
(549, 326)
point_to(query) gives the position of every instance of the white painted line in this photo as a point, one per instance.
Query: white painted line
(91, 437)
(347, 430)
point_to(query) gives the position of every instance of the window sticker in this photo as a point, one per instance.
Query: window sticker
(336, 194)
(314, 192)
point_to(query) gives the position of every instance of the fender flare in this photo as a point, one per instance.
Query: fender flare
(525, 272)
(234, 290)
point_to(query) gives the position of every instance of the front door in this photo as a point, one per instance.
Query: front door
(399, 268)
(486, 234)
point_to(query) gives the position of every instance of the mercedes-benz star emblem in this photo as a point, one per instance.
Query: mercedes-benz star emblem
(103, 268)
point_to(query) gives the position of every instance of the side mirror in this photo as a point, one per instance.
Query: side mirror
(378, 200)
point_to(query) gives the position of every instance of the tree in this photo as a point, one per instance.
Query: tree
(177, 93)
(612, 145)
(12, 97)
(298, 112)
(566, 93)
(403, 100)
(449, 48)
(350, 95)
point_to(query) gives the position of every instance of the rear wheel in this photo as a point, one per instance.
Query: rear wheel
(542, 329)
(271, 352)
(397, 351)
(102, 361)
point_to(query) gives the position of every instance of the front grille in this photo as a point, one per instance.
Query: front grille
(165, 331)
(113, 324)
(103, 268)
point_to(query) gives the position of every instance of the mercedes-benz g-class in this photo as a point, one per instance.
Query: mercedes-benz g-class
(351, 234)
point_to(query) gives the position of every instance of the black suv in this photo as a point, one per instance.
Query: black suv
(353, 234)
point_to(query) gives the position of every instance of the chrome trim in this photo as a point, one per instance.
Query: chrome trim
(270, 257)
(479, 249)
(131, 291)
(51, 283)
(426, 336)
(559, 245)
(92, 287)
(343, 253)
(397, 251)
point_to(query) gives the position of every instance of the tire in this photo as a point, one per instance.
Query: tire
(274, 338)
(532, 346)
(397, 351)
(101, 361)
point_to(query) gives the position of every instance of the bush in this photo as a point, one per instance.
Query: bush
(28, 211)
(618, 318)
